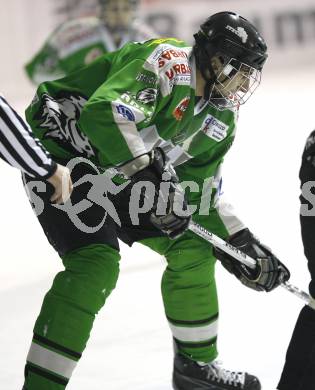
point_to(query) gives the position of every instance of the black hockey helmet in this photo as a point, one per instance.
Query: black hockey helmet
(240, 48)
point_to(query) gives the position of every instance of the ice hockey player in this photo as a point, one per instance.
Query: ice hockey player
(19, 148)
(161, 112)
(78, 42)
(298, 372)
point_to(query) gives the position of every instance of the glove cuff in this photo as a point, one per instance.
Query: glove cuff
(241, 238)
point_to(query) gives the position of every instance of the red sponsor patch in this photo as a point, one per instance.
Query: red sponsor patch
(168, 55)
(178, 69)
(180, 109)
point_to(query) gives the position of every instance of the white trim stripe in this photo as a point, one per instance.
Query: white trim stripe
(134, 142)
(51, 361)
(196, 333)
(128, 129)
(176, 154)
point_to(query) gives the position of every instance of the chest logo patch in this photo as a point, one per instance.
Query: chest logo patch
(214, 128)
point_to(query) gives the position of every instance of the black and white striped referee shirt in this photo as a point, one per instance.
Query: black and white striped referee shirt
(19, 147)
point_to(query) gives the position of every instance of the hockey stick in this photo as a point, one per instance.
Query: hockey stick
(244, 259)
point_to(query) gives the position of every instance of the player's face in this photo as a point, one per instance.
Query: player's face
(117, 14)
(231, 80)
(235, 81)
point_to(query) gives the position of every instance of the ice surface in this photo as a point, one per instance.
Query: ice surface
(130, 346)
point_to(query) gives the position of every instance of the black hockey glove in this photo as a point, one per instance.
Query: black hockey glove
(269, 272)
(166, 213)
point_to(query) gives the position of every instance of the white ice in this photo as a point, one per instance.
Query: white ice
(130, 346)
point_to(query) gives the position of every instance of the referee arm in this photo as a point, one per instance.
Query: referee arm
(20, 149)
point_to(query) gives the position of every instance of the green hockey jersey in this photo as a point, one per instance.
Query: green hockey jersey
(77, 43)
(126, 103)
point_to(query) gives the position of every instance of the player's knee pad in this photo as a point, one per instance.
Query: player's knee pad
(190, 253)
(189, 267)
(89, 277)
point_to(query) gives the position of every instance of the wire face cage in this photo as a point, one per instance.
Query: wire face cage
(235, 84)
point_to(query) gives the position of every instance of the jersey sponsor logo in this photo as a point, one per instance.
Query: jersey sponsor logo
(147, 95)
(58, 116)
(180, 80)
(180, 109)
(239, 31)
(214, 128)
(142, 105)
(126, 112)
(178, 69)
(165, 53)
(178, 74)
(170, 54)
(146, 79)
